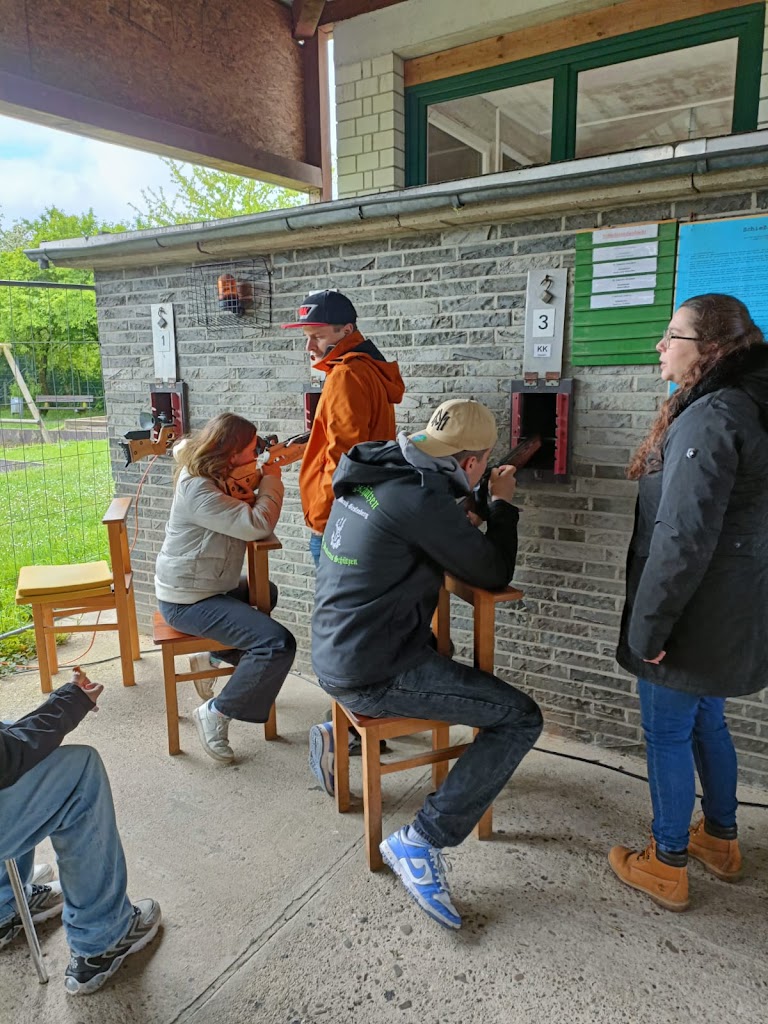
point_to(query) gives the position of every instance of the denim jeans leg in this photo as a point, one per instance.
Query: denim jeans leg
(668, 717)
(266, 648)
(67, 797)
(315, 547)
(715, 762)
(509, 721)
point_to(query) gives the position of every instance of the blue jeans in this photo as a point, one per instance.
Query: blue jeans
(683, 731)
(315, 547)
(262, 649)
(439, 688)
(67, 797)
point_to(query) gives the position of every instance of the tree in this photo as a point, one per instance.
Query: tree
(53, 331)
(206, 194)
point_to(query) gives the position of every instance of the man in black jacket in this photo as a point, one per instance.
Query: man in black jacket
(63, 792)
(395, 528)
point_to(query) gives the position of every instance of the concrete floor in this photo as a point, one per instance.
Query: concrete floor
(270, 914)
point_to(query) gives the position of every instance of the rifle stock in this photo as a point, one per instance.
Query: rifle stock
(519, 456)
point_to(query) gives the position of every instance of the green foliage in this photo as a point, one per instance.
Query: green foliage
(53, 331)
(51, 510)
(206, 194)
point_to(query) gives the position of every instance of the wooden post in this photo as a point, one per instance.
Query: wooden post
(25, 392)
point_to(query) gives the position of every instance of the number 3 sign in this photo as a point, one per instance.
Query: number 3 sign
(543, 323)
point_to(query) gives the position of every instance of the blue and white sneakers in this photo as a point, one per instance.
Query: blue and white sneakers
(321, 755)
(421, 868)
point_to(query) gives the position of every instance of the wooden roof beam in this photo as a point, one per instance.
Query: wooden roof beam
(306, 17)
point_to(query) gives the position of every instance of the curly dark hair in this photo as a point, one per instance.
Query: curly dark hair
(724, 328)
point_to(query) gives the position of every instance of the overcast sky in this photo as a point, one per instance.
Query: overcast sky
(42, 167)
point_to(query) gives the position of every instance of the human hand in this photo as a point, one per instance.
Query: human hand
(502, 484)
(474, 518)
(272, 469)
(93, 690)
(656, 660)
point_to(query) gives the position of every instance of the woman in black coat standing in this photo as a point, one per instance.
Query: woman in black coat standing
(694, 624)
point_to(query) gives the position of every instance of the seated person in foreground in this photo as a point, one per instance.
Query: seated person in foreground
(63, 792)
(395, 529)
(198, 579)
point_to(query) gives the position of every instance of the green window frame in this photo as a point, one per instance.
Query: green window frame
(747, 24)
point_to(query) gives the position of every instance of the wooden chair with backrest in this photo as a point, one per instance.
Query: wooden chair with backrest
(373, 730)
(175, 644)
(67, 591)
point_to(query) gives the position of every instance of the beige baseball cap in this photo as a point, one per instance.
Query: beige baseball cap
(460, 424)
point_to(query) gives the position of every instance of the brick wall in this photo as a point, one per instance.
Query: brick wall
(449, 305)
(370, 126)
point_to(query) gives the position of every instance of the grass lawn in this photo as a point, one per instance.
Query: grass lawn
(50, 510)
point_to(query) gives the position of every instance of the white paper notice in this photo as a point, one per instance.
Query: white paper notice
(626, 234)
(614, 301)
(541, 350)
(646, 266)
(624, 252)
(624, 284)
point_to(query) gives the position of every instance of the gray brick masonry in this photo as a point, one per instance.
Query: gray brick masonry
(449, 307)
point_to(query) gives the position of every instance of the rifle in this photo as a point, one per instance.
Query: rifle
(137, 444)
(281, 453)
(519, 456)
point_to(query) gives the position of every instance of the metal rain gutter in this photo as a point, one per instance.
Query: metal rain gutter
(686, 158)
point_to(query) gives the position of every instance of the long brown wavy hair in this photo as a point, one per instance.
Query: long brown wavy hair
(723, 327)
(208, 451)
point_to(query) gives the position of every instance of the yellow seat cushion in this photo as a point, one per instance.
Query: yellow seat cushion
(87, 580)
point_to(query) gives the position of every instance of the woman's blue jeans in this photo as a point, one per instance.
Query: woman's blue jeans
(261, 649)
(684, 732)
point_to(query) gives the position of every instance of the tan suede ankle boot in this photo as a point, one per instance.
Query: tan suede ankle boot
(721, 857)
(666, 885)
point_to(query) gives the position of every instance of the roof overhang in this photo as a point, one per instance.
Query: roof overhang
(731, 163)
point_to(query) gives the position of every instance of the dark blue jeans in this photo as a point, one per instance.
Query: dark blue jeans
(262, 649)
(683, 731)
(439, 688)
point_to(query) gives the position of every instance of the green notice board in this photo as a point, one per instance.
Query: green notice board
(624, 288)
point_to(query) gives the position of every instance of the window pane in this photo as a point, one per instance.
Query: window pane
(448, 158)
(493, 131)
(671, 97)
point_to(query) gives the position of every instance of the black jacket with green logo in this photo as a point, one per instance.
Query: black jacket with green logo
(393, 531)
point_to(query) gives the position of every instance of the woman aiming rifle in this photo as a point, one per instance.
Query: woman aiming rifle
(218, 505)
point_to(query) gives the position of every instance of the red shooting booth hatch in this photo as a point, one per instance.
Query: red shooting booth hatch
(543, 409)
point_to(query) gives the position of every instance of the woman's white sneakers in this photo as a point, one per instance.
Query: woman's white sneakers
(199, 663)
(213, 730)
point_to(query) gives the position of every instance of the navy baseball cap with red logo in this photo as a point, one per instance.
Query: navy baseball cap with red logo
(319, 309)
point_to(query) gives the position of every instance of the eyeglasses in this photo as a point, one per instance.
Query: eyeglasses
(668, 337)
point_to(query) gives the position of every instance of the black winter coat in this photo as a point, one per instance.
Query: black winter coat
(697, 567)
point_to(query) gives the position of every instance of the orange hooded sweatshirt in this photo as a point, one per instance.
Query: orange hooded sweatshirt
(356, 404)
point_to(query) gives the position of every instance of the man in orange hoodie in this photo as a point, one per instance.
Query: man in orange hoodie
(356, 404)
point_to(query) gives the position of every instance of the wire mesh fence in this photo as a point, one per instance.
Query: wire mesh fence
(55, 477)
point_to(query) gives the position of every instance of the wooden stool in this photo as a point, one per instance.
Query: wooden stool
(373, 730)
(175, 644)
